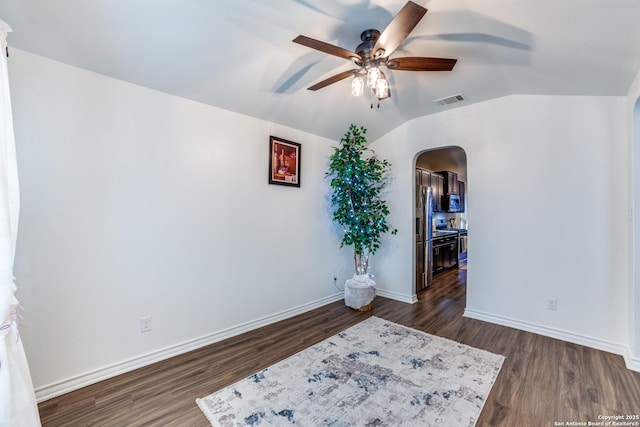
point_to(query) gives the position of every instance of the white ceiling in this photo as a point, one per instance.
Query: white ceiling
(238, 55)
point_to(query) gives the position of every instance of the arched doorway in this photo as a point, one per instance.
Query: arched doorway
(441, 213)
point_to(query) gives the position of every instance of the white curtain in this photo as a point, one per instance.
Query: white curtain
(18, 406)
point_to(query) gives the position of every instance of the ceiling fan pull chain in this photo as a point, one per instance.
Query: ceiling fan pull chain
(370, 99)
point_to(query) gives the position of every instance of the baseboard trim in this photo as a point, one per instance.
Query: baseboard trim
(599, 344)
(74, 383)
(409, 299)
(632, 362)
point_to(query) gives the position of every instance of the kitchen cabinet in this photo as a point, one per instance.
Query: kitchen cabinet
(438, 260)
(445, 257)
(434, 180)
(450, 182)
(451, 255)
(445, 253)
(437, 183)
(461, 193)
(425, 178)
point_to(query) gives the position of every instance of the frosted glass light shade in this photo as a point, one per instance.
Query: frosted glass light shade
(357, 86)
(382, 87)
(372, 77)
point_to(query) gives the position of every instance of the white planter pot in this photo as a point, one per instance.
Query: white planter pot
(359, 292)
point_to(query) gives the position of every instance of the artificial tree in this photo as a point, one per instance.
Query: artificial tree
(357, 183)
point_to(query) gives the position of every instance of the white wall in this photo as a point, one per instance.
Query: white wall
(547, 181)
(633, 137)
(137, 203)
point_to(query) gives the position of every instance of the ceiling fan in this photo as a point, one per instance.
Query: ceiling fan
(374, 52)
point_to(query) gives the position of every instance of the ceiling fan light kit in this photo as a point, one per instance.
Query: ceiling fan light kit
(382, 87)
(357, 85)
(373, 73)
(373, 53)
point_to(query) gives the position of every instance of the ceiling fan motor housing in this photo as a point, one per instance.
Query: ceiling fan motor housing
(365, 49)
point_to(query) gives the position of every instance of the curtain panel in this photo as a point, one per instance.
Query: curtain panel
(18, 407)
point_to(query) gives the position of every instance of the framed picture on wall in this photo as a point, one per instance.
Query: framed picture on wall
(284, 162)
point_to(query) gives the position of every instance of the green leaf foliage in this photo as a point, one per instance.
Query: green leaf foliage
(356, 184)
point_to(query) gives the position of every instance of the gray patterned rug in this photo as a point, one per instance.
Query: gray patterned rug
(376, 373)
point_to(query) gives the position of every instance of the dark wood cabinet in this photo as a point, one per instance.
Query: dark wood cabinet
(452, 255)
(425, 178)
(433, 180)
(445, 257)
(437, 183)
(438, 259)
(445, 253)
(442, 183)
(462, 194)
(450, 182)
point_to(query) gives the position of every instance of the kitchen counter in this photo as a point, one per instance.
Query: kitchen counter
(449, 232)
(449, 249)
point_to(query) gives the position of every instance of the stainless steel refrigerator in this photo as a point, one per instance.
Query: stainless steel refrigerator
(424, 237)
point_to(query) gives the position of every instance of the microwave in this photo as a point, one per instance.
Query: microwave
(451, 203)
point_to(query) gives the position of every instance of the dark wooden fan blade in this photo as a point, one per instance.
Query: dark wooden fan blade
(326, 48)
(399, 28)
(331, 80)
(421, 64)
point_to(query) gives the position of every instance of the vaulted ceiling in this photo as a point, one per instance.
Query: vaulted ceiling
(238, 55)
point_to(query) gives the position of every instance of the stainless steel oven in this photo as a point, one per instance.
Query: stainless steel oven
(462, 246)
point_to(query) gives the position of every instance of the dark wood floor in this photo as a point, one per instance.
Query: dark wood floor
(541, 382)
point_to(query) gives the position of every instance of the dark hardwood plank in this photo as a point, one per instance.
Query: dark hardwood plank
(542, 380)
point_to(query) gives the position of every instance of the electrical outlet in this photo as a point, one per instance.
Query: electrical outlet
(552, 304)
(145, 324)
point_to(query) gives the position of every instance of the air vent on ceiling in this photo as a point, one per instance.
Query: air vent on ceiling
(450, 99)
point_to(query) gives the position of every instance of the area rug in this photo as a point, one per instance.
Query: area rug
(376, 373)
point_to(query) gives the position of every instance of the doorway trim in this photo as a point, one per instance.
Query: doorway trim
(461, 164)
